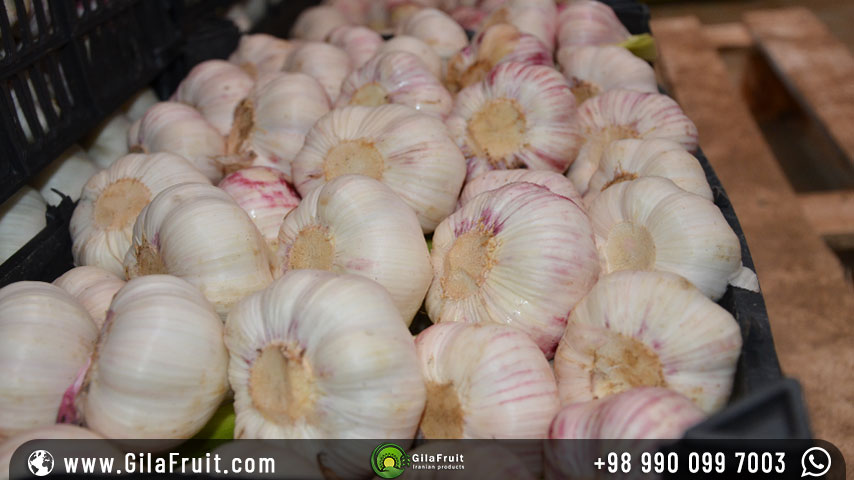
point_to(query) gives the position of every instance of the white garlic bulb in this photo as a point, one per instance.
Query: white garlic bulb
(197, 232)
(53, 432)
(320, 355)
(67, 174)
(180, 129)
(537, 18)
(436, 29)
(46, 338)
(520, 115)
(109, 140)
(618, 114)
(631, 158)
(316, 23)
(102, 223)
(215, 87)
(651, 224)
(355, 224)
(160, 366)
(272, 121)
(485, 269)
(328, 64)
(265, 195)
(555, 182)
(589, 22)
(396, 77)
(360, 43)
(592, 70)
(139, 103)
(407, 150)
(22, 217)
(484, 381)
(261, 53)
(674, 335)
(93, 287)
(417, 47)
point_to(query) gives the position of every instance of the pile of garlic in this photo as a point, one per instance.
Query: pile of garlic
(566, 220)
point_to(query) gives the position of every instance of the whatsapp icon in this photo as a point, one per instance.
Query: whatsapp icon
(389, 460)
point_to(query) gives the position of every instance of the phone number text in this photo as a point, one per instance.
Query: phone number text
(705, 462)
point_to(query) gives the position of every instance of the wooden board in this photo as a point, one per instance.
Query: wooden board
(728, 35)
(832, 216)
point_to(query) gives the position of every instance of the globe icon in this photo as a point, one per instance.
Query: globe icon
(40, 463)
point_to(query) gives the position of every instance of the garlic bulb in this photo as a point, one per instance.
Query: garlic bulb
(180, 129)
(619, 114)
(102, 223)
(589, 22)
(396, 77)
(109, 140)
(265, 195)
(674, 335)
(22, 217)
(499, 43)
(631, 158)
(417, 47)
(315, 23)
(239, 17)
(537, 18)
(521, 115)
(272, 121)
(484, 381)
(592, 70)
(485, 270)
(470, 18)
(355, 224)
(197, 232)
(215, 87)
(554, 182)
(320, 355)
(139, 103)
(408, 151)
(46, 338)
(436, 29)
(261, 53)
(360, 43)
(651, 224)
(67, 174)
(93, 287)
(328, 64)
(160, 366)
(52, 432)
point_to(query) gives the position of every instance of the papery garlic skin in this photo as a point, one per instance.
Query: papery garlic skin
(53, 432)
(355, 224)
(68, 174)
(417, 47)
(554, 182)
(625, 160)
(484, 381)
(538, 18)
(46, 337)
(520, 115)
(93, 287)
(651, 224)
(197, 232)
(180, 129)
(264, 194)
(360, 43)
(589, 22)
(396, 77)
(109, 141)
(592, 70)
(272, 121)
(215, 87)
(172, 386)
(436, 29)
(328, 64)
(22, 217)
(315, 23)
(676, 336)
(486, 271)
(102, 223)
(618, 114)
(320, 355)
(409, 151)
(139, 103)
(261, 53)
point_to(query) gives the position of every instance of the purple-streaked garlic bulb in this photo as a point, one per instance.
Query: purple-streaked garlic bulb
(180, 129)
(486, 271)
(328, 64)
(355, 224)
(321, 355)
(589, 22)
(519, 116)
(498, 43)
(315, 23)
(102, 223)
(93, 287)
(629, 159)
(264, 193)
(360, 43)
(592, 70)
(215, 87)
(68, 173)
(261, 53)
(652, 224)
(648, 329)
(396, 77)
(618, 114)
(537, 18)
(271, 122)
(484, 381)
(409, 151)
(470, 18)
(436, 29)
(417, 47)
(553, 181)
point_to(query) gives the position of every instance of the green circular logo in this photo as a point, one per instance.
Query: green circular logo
(389, 460)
